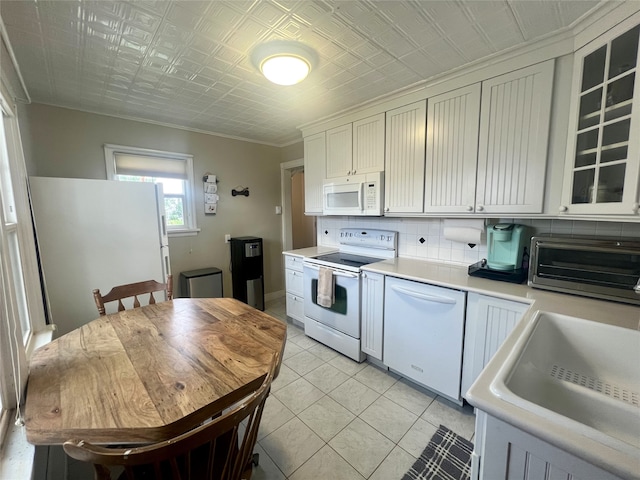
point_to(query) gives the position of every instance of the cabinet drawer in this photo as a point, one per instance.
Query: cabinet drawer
(293, 263)
(295, 307)
(294, 282)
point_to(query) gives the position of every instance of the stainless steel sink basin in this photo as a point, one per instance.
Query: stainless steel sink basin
(583, 375)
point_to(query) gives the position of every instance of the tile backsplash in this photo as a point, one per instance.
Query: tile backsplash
(423, 238)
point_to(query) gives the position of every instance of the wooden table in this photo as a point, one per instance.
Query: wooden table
(150, 373)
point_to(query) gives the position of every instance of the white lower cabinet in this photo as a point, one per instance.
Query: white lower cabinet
(423, 334)
(372, 314)
(502, 451)
(489, 320)
(295, 307)
(294, 287)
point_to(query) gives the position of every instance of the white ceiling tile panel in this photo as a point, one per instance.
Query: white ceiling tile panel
(248, 34)
(571, 11)
(534, 20)
(371, 25)
(269, 14)
(394, 43)
(186, 62)
(311, 12)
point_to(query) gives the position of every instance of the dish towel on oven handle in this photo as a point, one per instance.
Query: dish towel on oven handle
(326, 290)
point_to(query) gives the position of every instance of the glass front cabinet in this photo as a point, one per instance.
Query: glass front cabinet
(603, 150)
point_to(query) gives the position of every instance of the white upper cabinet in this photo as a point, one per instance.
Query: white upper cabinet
(314, 170)
(339, 151)
(603, 150)
(514, 132)
(404, 158)
(452, 151)
(356, 148)
(368, 145)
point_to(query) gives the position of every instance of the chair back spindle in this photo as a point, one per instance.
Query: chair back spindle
(134, 290)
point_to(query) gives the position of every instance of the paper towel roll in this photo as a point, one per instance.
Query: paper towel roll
(464, 235)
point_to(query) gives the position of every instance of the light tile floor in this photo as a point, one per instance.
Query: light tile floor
(330, 417)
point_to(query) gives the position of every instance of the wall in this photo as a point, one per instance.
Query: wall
(69, 143)
(294, 151)
(437, 248)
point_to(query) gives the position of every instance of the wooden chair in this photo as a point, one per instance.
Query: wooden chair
(132, 290)
(221, 449)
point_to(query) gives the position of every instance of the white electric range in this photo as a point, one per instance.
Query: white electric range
(338, 326)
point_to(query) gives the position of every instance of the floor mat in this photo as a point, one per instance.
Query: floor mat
(446, 457)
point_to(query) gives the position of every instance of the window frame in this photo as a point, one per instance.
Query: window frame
(18, 271)
(190, 227)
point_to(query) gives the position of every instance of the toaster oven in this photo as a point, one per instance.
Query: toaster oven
(607, 268)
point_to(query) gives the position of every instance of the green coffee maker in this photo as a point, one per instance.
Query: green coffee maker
(507, 253)
(506, 243)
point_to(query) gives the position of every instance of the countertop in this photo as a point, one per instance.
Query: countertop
(480, 395)
(455, 276)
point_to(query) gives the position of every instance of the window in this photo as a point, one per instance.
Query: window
(173, 170)
(21, 307)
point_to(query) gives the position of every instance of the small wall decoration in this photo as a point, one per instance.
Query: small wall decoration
(210, 193)
(240, 190)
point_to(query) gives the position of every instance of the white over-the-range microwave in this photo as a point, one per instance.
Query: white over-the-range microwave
(353, 195)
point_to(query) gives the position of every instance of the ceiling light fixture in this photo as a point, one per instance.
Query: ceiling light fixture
(283, 62)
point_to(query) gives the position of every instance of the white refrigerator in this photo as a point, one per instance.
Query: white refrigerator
(95, 234)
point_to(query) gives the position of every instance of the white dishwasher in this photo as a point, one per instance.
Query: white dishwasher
(423, 334)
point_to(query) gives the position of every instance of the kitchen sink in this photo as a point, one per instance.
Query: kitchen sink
(582, 375)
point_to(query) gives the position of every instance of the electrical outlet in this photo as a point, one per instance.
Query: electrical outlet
(227, 237)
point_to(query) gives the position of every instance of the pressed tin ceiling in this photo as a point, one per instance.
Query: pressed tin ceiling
(187, 63)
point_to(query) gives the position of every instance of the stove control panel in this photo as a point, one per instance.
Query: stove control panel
(378, 239)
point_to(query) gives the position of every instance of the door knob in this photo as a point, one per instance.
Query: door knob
(563, 208)
(469, 208)
(480, 208)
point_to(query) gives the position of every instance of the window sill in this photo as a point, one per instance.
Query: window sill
(16, 454)
(16, 458)
(187, 232)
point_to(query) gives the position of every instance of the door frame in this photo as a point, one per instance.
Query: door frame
(286, 170)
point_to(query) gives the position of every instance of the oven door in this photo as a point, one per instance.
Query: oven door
(344, 314)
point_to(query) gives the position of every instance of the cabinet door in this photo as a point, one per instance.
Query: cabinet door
(314, 170)
(603, 152)
(514, 132)
(368, 145)
(488, 322)
(339, 151)
(371, 314)
(452, 151)
(404, 158)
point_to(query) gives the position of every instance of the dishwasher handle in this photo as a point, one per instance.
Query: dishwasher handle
(424, 296)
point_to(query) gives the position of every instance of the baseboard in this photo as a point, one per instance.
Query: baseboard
(273, 295)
